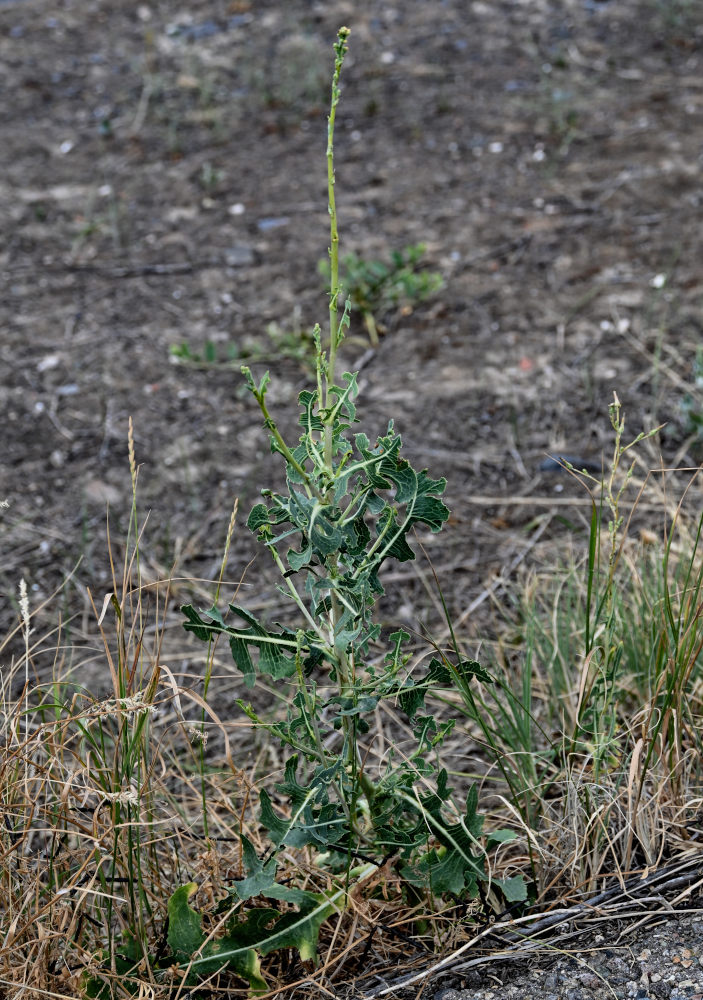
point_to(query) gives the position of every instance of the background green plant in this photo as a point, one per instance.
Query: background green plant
(292, 341)
(691, 404)
(376, 288)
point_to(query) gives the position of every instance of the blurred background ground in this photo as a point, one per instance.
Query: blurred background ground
(163, 181)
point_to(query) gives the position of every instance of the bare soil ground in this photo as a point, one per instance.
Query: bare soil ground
(163, 181)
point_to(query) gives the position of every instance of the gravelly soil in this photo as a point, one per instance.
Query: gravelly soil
(163, 181)
(663, 961)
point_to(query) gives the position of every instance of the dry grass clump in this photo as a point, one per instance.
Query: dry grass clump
(592, 728)
(101, 800)
(111, 803)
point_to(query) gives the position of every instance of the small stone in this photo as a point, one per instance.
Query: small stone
(589, 980)
(101, 492)
(187, 82)
(48, 362)
(240, 255)
(275, 222)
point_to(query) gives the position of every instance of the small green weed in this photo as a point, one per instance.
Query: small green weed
(211, 354)
(678, 19)
(111, 220)
(377, 288)
(692, 402)
(561, 113)
(299, 82)
(210, 177)
(294, 342)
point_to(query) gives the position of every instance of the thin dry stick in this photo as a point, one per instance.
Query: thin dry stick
(28, 988)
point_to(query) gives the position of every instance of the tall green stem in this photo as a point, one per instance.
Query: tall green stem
(340, 49)
(344, 668)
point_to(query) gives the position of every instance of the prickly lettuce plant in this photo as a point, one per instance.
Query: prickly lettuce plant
(350, 506)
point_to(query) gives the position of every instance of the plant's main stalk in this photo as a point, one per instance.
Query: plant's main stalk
(340, 49)
(344, 667)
